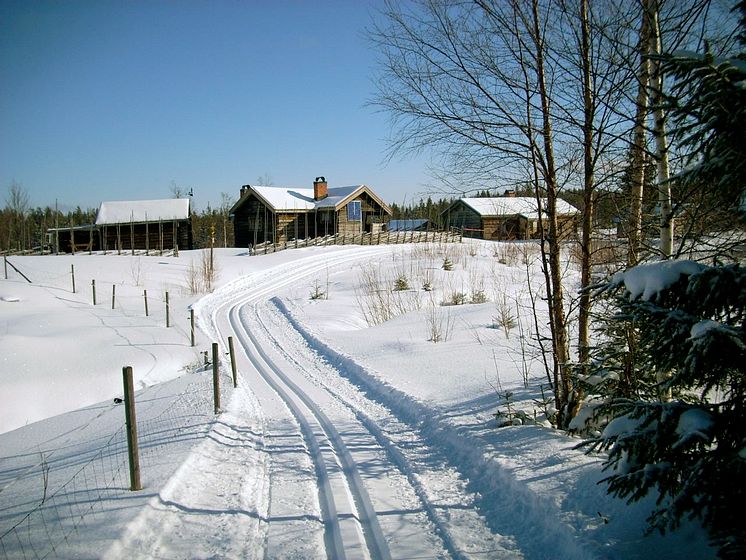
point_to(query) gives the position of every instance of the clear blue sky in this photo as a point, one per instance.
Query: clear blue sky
(114, 100)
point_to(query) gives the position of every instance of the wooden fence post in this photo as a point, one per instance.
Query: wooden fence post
(93, 289)
(72, 274)
(145, 297)
(113, 295)
(5, 265)
(131, 424)
(233, 361)
(215, 377)
(168, 318)
(191, 321)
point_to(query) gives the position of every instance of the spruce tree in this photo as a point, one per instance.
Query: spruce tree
(670, 370)
(683, 438)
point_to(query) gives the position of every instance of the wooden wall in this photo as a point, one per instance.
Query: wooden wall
(461, 216)
(249, 223)
(153, 236)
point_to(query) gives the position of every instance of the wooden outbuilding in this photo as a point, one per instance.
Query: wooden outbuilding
(506, 217)
(280, 214)
(145, 224)
(73, 239)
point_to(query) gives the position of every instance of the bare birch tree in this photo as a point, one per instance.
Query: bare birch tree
(471, 80)
(17, 205)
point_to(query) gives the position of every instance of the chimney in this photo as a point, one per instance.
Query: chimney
(509, 194)
(319, 188)
(244, 188)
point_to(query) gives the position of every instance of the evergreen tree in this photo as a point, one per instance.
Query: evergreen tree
(671, 372)
(682, 437)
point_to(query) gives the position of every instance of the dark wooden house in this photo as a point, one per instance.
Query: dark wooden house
(280, 214)
(506, 217)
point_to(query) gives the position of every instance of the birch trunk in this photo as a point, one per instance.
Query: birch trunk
(634, 227)
(659, 133)
(555, 301)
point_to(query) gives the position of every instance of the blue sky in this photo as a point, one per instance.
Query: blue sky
(110, 100)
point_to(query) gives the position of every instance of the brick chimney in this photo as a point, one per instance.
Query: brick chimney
(319, 188)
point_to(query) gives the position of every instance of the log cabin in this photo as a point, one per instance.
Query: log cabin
(279, 214)
(506, 217)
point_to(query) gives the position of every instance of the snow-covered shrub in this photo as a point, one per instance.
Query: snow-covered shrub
(401, 283)
(317, 292)
(478, 296)
(456, 298)
(439, 327)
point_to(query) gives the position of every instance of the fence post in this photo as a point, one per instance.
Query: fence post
(191, 321)
(5, 265)
(131, 423)
(145, 297)
(113, 295)
(168, 318)
(215, 378)
(93, 288)
(72, 274)
(233, 361)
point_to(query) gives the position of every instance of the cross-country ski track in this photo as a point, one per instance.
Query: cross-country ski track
(314, 457)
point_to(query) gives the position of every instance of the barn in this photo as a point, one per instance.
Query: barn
(155, 225)
(505, 217)
(280, 214)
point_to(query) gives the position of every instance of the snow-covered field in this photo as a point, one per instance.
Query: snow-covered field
(362, 425)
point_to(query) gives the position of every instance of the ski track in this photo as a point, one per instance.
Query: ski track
(316, 457)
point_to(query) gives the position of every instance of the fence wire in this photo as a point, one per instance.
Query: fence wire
(62, 521)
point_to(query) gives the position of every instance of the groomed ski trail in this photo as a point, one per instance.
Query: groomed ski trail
(311, 464)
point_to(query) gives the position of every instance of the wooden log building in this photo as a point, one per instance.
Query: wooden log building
(145, 225)
(505, 217)
(279, 214)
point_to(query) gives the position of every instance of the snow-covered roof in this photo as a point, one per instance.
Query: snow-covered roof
(286, 199)
(514, 206)
(300, 199)
(138, 211)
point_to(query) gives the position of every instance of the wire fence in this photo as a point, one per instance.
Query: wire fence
(127, 296)
(77, 495)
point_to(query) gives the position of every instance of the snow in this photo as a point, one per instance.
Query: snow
(703, 328)
(138, 211)
(401, 429)
(694, 422)
(621, 425)
(648, 280)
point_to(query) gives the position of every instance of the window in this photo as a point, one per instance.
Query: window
(354, 211)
